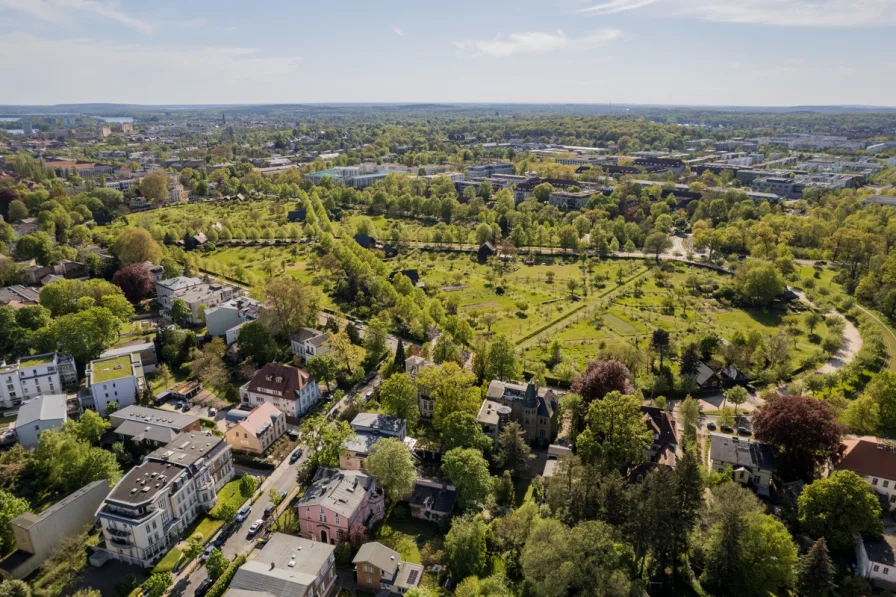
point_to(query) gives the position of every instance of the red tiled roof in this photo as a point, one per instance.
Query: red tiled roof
(869, 456)
(279, 378)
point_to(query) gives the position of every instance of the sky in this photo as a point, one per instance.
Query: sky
(675, 52)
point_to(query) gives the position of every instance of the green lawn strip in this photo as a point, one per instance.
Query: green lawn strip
(168, 563)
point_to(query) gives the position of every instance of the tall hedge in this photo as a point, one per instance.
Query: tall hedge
(220, 586)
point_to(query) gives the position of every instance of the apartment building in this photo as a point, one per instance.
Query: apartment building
(35, 375)
(489, 170)
(335, 501)
(205, 296)
(288, 566)
(369, 428)
(49, 411)
(167, 290)
(231, 314)
(124, 185)
(146, 513)
(292, 390)
(307, 343)
(145, 350)
(113, 379)
(152, 425)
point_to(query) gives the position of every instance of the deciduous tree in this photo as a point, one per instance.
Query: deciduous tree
(467, 468)
(398, 396)
(839, 508)
(391, 463)
(136, 245)
(600, 378)
(465, 547)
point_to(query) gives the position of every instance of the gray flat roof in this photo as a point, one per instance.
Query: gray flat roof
(48, 407)
(152, 475)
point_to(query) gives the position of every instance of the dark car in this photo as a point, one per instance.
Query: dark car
(711, 426)
(727, 429)
(293, 434)
(267, 511)
(744, 431)
(295, 455)
(203, 587)
(186, 407)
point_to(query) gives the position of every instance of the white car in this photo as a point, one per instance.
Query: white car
(256, 526)
(242, 515)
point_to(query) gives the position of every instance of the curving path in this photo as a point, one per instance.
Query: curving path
(850, 344)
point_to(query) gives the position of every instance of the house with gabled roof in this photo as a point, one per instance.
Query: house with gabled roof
(751, 463)
(661, 424)
(287, 566)
(292, 390)
(379, 568)
(874, 459)
(255, 432)
(534, 409)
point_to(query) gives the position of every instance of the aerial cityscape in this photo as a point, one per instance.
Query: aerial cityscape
(580, 297)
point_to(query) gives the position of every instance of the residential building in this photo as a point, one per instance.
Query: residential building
(147, 512)
(359, 177)
(176, 192)
(492, 417)
(35, 416)
(706, 378)
(337, 500)
(751, 463)
(426, 404)
(114, 379)
(123, 185)
(308, 342)
(38, 535)
(152, 425)
(534, 410)
(19, 296)
(874, 459)
(167, 290)
(292, 390)
(157, 271)
(876, 560)
(35, 375)
(379, 568)
(489, 170)
(432, 500)
(205, 297)
(785, 187)
(257, 430)
(879, 200)
(661, 423)
(879, 147)
(555, 453)
(287, 566)
(369, 428)
(230, 314)
(145, 350)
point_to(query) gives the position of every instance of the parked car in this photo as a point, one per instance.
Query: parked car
(744, 431)
(711, 426)
(242, 515)
(212, 411)
(203, 587)
(208, 551)
(186, 407)
(727, 429)
(282, 495)
(293, 434)
(256, 526)
(267, 511)
(295, 455)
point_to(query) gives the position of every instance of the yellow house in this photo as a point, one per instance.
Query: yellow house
(254, 434)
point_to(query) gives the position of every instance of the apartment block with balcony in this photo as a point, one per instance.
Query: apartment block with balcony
(35, 375)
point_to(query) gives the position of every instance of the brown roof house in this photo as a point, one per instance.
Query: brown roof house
(377, 567)
(874, 459)
(661, 424)
(292, 390)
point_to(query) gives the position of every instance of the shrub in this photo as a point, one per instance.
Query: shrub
(220, 586)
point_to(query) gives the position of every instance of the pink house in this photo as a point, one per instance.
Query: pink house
(336, 501)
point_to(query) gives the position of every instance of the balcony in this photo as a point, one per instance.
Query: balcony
(119, 533)
(117, 542)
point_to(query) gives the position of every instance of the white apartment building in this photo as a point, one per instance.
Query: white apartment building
(166, 290)
(35, 375)
(293, 391)
(146, 513)
(114, 379)
(230, 314)
(122, 185)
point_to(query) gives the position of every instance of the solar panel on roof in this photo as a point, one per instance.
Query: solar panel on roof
(412, 577)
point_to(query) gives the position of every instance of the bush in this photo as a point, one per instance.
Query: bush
(220, 586)
(343, 554)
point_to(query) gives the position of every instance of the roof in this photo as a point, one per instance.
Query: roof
(732, 373)
(179, 283)
(381, 424)
(869, 456)
(130, 349)
(188, 448)
(260, 418)
(881, 551)
(152, 475)
(704, 373)
(285, 567)
(741, 452)
(379, 555)
(244, 305)
(102, 370)
(154, 416)
(279, 380)
(435, 496)
(661, 423)
(409, 575)
(143, 431)
(49, 407)
(316, 337)
(544, 399)
(342, 491)
(488, 412)
(29, 518)
(361, 443)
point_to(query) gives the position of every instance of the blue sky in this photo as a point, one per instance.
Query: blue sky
(694, 52)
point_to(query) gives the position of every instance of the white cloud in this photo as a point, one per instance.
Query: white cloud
(780, 13)
(54, 11)
(534, 42)
(614, 6)
(97, 71)
(397, 31)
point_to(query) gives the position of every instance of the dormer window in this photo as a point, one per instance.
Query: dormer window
(279, 379)
(269, 377)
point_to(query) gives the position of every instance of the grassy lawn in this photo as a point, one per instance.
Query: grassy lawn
(231, 495)
(167, 563)
(204, 526)
(407, 535)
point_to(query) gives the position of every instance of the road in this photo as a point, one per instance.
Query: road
(283, 478)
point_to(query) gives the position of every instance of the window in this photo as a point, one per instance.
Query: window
(886, 570)
(886, 483)
(876, 568)
(874, 481)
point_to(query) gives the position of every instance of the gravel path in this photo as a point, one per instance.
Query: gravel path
(849, 346)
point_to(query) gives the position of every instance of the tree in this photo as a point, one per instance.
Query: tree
(882, 391)
(154, 186)
(17, 211)
(815, 572)
(37, 245)
(194, 548)
(157, 584)
(398, 362)
(736, 395)
(862, 415)
(839, 508)
(323, 439)
(136, 245)
(758, 282)
(10, 507)
(513, 451)
(346, 355)
(813, 319)
(803, 429)
(465, 547)
(62, 464)
(257, 343)
(86, 334)
(15, 588)
(398, 396)
(391, 463)
(462, 430)
(323, 368)
(656, 243)
(616, 435)
(452, 389)
(89, 428)
(181, 312)
(289, 305)
(502, 361)
(689, 413)
(216, 564)
(67, 560)
(248, 485)
(376, 338)
(208, 365)
(136, 282)
(600, 378)
(467, 468)
(660, 343)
